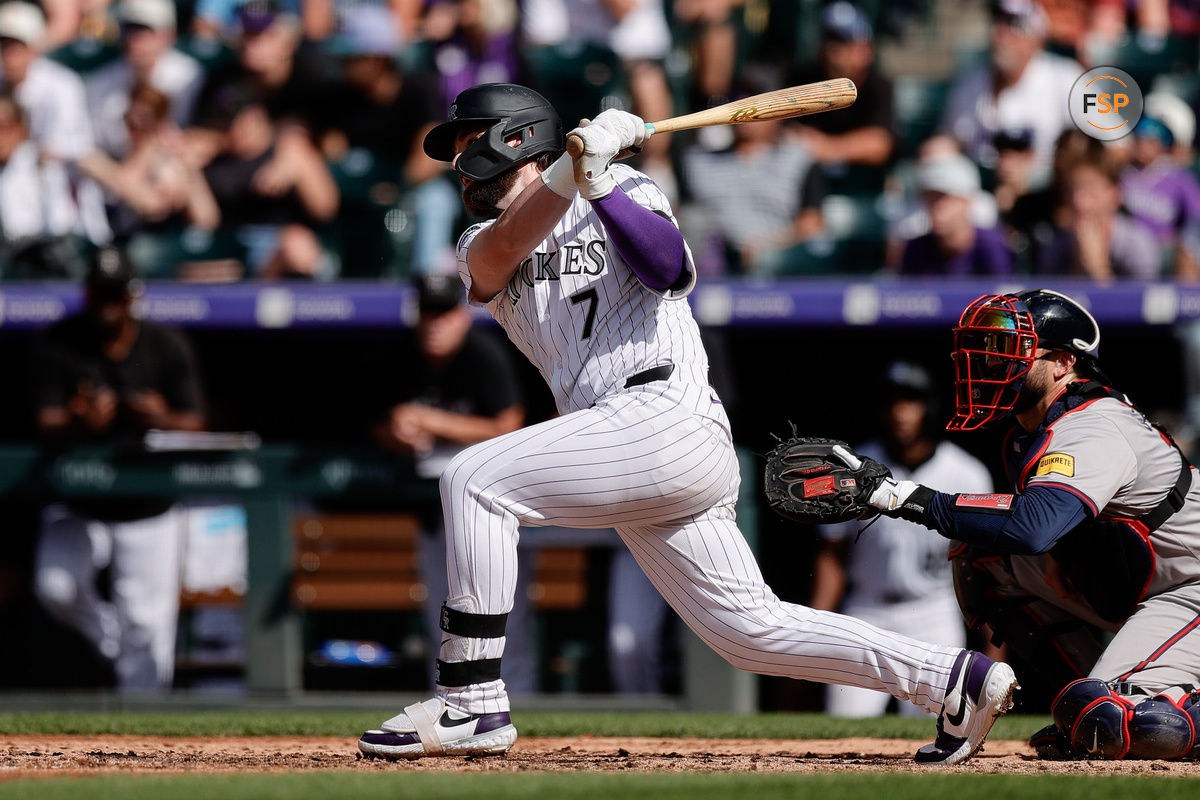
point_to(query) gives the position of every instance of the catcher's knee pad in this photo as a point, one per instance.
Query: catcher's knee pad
(1094, 718)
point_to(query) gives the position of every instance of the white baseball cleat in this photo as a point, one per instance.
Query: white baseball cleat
(979, 693)
(432, 729)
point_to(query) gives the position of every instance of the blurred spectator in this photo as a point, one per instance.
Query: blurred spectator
(41, 232)
(64, 19)
(637, 31)
(292, 89)
(223, 19)
(1097, 239)
(155, 185)
(1162, 194)
(51, 94)
(111, 567)
(753, 200)
(1014, 168)
(1032, 220)
(954, 246)
(910, 218)
(148, 57)
(897, 574)
(1079, 28)
(1179, 119)
(272, 188)
(321, 19)
(386, 112)
(861, 134)
(1023, 87)
(713, 33)
(459, 388)
(474, 42)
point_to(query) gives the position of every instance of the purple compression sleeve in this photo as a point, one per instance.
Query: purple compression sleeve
(649, 243)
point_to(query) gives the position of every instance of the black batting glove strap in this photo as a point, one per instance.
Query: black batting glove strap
(464, 673)
(479, 626)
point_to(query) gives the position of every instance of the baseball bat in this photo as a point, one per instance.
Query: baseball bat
(794, 101)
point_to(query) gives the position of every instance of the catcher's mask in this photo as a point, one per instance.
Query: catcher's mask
(504, 111)
(995, 344)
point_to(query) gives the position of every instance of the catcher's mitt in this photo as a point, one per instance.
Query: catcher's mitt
(807, 481)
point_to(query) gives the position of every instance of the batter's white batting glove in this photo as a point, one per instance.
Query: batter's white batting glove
(592, 174)
(630, 128)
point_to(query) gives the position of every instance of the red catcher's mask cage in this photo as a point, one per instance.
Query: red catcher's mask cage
(994, 344)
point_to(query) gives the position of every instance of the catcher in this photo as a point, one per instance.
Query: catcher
(1102, 530)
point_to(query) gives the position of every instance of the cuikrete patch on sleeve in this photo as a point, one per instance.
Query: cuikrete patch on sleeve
(1056, 463)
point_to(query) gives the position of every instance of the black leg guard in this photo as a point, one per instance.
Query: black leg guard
(479, 626)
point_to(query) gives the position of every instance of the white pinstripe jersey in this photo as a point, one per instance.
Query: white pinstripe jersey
(578, 312)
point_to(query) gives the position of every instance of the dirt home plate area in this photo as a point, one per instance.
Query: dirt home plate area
(60, 756)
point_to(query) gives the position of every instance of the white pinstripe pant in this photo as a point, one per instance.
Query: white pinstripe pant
(643, 462)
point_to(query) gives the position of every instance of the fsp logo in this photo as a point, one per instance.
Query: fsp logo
(1105, 103)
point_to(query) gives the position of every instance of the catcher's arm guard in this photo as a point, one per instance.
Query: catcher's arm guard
(819, 481)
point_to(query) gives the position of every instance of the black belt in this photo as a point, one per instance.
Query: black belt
(660, 373)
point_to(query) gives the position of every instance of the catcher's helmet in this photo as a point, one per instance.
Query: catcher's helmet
(505, 111)
(994, 346)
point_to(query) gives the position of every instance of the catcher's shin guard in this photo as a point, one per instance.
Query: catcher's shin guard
(1094, 718)
(1160, 728)
(1096, 721)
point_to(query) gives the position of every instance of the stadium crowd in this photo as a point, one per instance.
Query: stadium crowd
(261, 139)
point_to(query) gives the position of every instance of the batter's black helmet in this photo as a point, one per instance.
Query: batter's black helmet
(506, 111)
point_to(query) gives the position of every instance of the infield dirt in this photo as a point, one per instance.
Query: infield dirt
(59, 756)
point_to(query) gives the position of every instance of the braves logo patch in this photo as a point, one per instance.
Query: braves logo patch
(988, 502)
(1057, 463)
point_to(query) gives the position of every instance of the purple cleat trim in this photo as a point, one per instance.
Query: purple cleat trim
(483, 724)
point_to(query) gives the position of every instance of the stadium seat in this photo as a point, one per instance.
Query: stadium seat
(85, 54)
(370, 190)
(1145, 62)
(578, 78)
(918, 106)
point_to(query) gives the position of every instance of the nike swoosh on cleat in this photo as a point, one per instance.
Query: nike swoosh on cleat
(956, 718)
(447, 722)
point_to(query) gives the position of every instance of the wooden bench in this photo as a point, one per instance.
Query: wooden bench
(370, 562)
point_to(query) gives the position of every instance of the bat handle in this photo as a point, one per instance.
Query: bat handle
(575, 142)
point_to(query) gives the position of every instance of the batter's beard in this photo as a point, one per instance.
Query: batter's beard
(482, 198)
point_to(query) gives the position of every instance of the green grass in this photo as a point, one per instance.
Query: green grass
(588, 786)
(529, 723)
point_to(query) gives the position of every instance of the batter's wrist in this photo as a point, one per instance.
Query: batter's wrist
(560, 177)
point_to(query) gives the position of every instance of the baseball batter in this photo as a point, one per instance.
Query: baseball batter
(1103, 528)
(583, 265)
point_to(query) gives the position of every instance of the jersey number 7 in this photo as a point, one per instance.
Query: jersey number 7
(586, 296)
